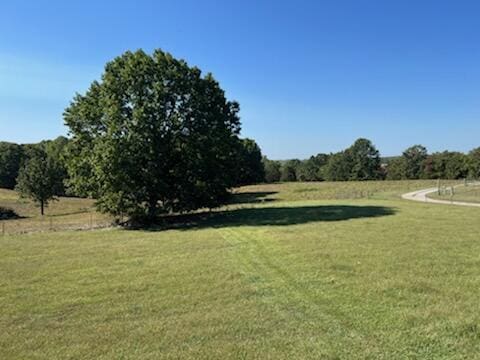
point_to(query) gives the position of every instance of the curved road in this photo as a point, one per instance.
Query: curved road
(421, 195)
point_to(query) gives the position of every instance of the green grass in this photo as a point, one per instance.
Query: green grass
(378, 190)
(470, 193)
(293, 277)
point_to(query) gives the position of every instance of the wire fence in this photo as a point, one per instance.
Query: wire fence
(81, 218)
(468, 191)
(78, 221)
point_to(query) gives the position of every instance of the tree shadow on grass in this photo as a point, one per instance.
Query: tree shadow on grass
(252, 197)
(272, 216)
(9, 214)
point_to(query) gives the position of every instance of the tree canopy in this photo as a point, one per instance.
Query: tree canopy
(364, 160)
(361, 161)
(288, 171)
(250, 168)
(153, 135)
(474, 165)
(272, 170)
(414, 158)
(312, 169)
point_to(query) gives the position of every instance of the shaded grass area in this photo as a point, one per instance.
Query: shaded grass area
(79, 214)
(333, 279)
(241, 196)
(272, 215)
(469, 193)
(7, 214)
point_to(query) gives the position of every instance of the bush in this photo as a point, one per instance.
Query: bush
(6, 213)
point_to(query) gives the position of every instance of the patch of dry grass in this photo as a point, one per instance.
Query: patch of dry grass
(65, 214)
(470, 193)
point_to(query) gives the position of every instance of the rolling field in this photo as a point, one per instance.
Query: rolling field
(289, 271)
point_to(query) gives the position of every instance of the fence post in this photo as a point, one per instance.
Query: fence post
(3, 228)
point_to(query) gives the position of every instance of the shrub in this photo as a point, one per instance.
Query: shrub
(6, 213)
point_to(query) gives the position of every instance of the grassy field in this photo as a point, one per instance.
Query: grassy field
(291, 271)
(470, 193)
(377, 190)
(64, 214)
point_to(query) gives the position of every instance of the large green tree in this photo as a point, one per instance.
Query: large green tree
(447, 165)
(153, 135)
(338, 167)
(364, 160)
(361, 161)
(39, 179)
(415, 157)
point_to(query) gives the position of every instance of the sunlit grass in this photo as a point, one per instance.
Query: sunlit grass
(292, 278)
(340, 190)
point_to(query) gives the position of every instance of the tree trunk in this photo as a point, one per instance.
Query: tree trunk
(152, 210)
(41, 207)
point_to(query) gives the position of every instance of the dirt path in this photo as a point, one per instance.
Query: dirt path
(421, 195)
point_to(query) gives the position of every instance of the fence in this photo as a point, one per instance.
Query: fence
(467, 191)
(78, 221)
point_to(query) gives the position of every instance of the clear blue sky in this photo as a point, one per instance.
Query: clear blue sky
(310, 76)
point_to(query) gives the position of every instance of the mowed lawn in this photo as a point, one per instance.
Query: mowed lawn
(293, 271)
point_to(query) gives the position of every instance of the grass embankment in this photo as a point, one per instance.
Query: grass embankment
(470, 193)
(370, 278)
(64, 214)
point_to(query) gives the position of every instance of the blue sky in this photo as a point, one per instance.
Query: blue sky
(310, 76)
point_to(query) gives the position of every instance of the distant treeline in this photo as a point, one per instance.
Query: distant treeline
(362, 161)
(14, 157)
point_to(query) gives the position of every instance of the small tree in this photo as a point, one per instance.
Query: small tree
(39, 179)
